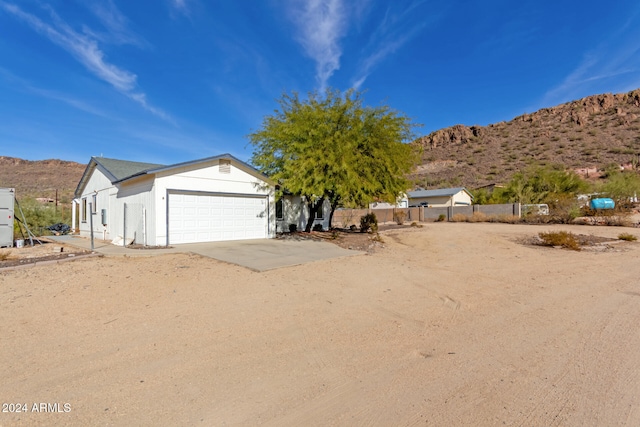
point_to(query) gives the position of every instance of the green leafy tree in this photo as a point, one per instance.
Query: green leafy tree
(332, 146)
(621, 186)
(541, 185)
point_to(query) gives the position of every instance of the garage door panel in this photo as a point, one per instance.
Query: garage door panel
(203, 218)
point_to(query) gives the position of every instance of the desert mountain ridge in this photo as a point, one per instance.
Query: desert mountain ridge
(41, 178)
(585, 135)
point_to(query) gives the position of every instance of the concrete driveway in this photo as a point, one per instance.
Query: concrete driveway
(268, 254)
(258, 255)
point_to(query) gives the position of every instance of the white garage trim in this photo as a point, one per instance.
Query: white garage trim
(195, 216)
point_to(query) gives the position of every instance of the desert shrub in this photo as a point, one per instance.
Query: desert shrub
(616, 221)
(353, 227)
(441, 217)
(415, 224)
(563, 239)
(399, 217)
(377, 238)
(38, 216)
(505, 219)
(621, 185)
(478, 217)
(459, 218)
(369, 222)
(318, 227)
(564, 209)
(537, 219)
(293, 228)
(4, 255)
(627, 236)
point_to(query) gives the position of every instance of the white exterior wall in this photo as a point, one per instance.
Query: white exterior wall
(461, 198)
(207, 179)
(295, 211)
(138, 195)
(99, 185)
(402, 203)
(148, 194)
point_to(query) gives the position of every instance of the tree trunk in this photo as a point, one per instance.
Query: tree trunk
(333, 209)
(312, 216)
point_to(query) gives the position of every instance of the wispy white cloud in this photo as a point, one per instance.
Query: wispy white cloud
(141, 99)
(86, 50)
(393, 32)
(182, 6)
(320, 25)
(26, 86)
(385, 49)
(613, 64)
(116, 24)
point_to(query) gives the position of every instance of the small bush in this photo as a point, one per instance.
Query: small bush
(563, 239)
(478, 217)
(293, 228)
(399, 217)
(441, 217)
(318, 227)
(506, 219)
(627, 236)
(616, 221)
(415, 224)
(353, 227)
(369, 222)
(5, 255)
(377, 238)
(459, 218)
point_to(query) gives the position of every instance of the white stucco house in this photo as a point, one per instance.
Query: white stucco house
(292, 210)
(444, 197)
(211, 199)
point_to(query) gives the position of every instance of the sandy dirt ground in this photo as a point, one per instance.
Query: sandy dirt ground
(449, 324)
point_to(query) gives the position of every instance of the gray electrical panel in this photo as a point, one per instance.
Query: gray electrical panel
(7, 196)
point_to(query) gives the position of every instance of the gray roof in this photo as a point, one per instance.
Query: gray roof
(121, 170)
(162, 168)
(435, 193)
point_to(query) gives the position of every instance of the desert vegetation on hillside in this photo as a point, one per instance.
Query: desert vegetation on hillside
(586, 136)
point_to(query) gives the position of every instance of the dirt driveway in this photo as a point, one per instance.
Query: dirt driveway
(451, 324)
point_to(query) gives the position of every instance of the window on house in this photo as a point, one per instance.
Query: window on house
(225, 166)
(84, 209)
(94, 199)
(317, 209)
(279, 209)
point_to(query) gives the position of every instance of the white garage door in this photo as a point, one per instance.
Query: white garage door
(210, 218)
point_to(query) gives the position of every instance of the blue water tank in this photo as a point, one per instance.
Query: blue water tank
(602, 203)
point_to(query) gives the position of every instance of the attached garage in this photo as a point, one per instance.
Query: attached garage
(206, 200)
(203, 217)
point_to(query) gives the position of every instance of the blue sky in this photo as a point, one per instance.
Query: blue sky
(167, 81)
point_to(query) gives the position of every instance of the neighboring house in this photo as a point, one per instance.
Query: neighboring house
(293, 210)
(443, 197)
(402, 202)
(211, 199)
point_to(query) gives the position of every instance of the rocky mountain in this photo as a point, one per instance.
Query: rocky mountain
(585, 135)
(41, 178)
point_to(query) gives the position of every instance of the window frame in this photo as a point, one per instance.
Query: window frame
(280, 202)
(83, 216)
(318, 210)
